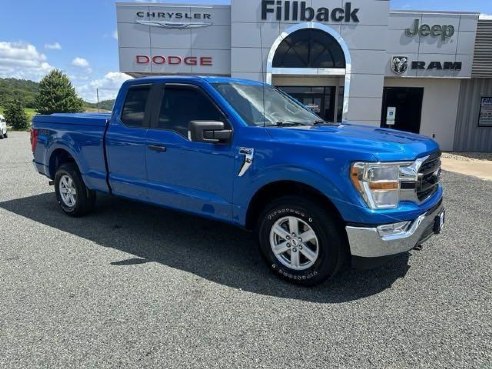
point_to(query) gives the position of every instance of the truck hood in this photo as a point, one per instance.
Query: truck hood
(379, 144)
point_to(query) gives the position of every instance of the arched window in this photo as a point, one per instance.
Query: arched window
(309, 48)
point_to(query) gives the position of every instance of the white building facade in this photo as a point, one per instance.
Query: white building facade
(353, 60)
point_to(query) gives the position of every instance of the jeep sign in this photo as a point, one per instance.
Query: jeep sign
(444, 31)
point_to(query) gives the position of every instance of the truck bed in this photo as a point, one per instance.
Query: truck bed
(81, 119)
(81, 135)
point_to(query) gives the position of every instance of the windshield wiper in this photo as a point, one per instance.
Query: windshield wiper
(323, 123)
(289, 124)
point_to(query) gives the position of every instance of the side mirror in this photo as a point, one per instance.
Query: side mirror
(209, 131)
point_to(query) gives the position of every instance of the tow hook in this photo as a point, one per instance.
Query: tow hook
(418, 248)
(51, 183)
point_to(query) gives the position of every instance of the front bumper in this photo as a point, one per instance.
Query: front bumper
(366, 242)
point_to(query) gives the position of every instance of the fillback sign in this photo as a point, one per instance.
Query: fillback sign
(299, 11)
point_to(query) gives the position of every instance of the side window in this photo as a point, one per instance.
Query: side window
(180, 105)
(134, 109)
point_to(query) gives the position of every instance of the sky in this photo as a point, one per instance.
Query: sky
(79, 37)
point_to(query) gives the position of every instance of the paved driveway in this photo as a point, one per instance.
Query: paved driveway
(136, 286)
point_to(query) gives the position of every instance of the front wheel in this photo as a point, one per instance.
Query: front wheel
(300, 241)
(72, 195)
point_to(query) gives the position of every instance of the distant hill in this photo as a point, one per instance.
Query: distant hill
(26, 91)
(103, 105)
(19, 88)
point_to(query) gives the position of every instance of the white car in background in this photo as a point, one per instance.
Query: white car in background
(3, 127)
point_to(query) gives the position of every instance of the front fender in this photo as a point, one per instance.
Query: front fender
(246, 187)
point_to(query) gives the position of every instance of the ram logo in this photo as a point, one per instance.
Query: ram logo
(399, 64)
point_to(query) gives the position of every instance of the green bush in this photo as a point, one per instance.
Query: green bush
(16, 115)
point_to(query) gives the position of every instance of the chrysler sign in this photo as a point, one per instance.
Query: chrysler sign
(179, 20)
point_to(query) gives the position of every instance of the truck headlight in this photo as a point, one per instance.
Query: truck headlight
(378, 183)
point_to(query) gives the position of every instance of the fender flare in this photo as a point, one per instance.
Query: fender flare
(60, 145)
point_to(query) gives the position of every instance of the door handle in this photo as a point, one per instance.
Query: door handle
(157, 148)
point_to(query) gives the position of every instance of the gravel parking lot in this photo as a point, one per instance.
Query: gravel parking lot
(137, 286)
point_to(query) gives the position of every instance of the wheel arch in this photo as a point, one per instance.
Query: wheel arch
(58, 157)
(277, 189)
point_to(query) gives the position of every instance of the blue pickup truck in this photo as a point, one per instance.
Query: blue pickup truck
(317, 194)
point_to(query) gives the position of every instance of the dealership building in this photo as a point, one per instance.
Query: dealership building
(417, 71)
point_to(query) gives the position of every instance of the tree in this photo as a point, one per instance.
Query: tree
(16, 115)
(57, 95)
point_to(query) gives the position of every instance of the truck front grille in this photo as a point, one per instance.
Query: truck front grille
(429, 176)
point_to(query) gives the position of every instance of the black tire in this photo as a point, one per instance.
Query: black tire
(5, 135)
(330, 241)
(84, 198)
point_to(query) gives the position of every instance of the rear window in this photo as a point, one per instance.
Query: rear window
(133, 114)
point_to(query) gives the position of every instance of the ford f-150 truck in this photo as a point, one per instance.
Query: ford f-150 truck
(318, 194)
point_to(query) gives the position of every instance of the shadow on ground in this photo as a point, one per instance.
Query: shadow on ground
(218, 252)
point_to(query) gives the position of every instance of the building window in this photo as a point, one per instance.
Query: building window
(309, 48)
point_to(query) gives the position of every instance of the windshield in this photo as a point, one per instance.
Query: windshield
(265, 105)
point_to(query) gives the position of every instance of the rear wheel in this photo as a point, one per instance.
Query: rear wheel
(300, 241)
(72, 195)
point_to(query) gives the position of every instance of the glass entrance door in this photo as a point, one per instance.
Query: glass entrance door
(321, 100)
(408, 104)
(314, 102)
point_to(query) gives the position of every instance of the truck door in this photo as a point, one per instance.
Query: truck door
(126, 144)
(191, 176)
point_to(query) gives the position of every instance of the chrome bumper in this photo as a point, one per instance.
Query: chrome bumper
(369, 243)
